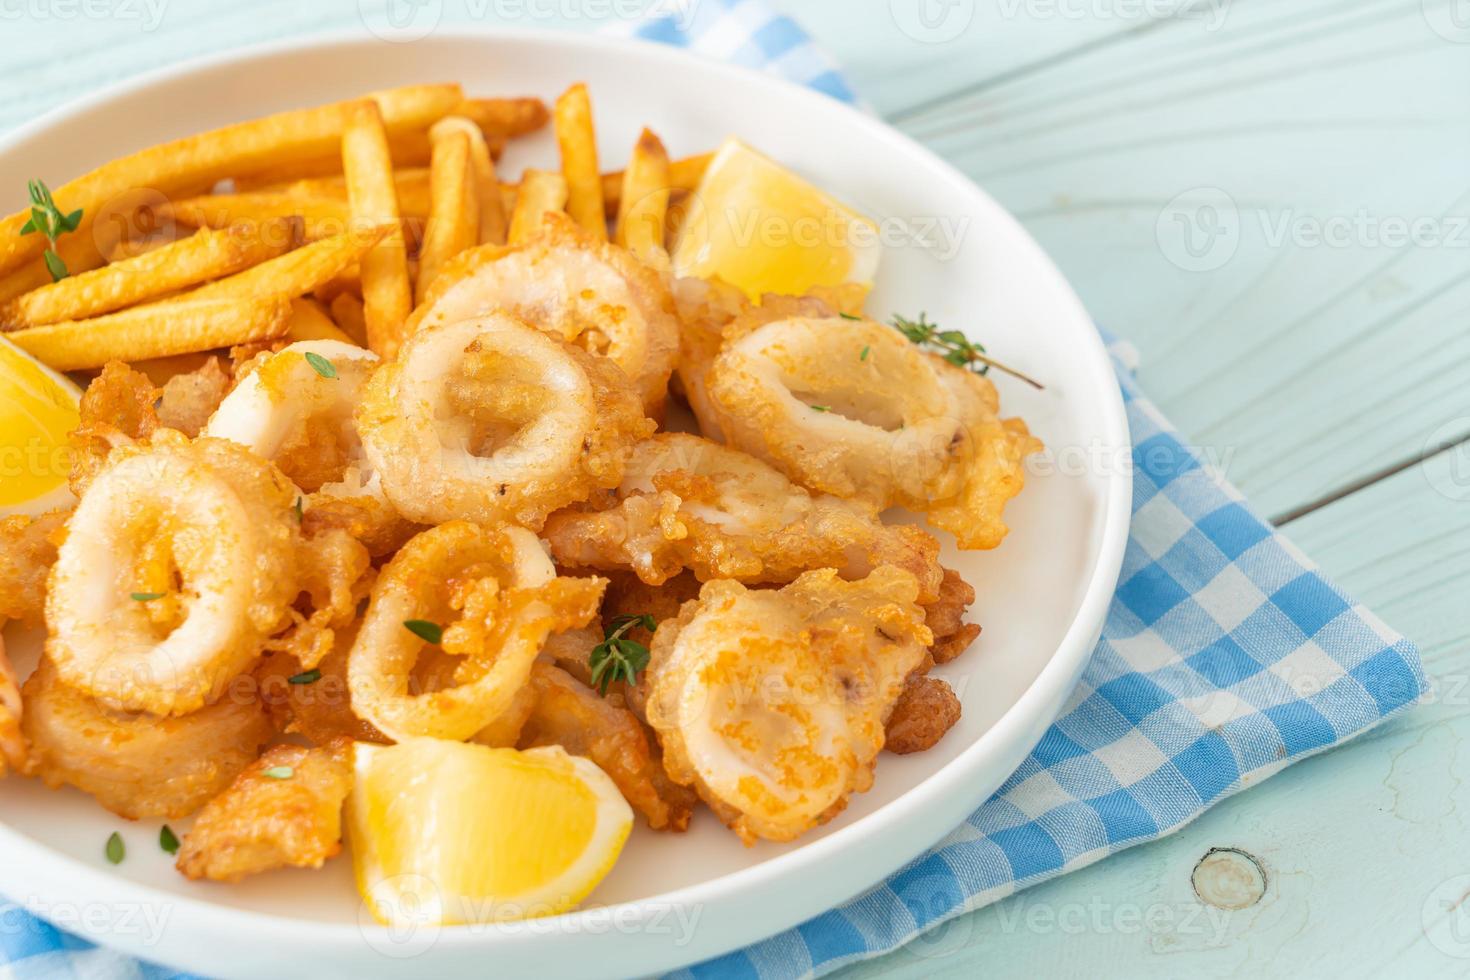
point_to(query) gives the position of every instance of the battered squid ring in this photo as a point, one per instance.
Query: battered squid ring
(208, 531)
(686, 502)
(853, 409)
(491, 420)
(589, 293)
(502, 598)
(289, 412)
(772, 703)
(140, 765)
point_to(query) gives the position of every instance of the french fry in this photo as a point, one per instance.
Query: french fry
(454, 215)
(202, 159)
(347, 312)
(409, 151)
(505, 118)
(411, 184)
(577, 138)
(322, 217)
(207, 255)
(160, 369)
(310, 322)
(645, 201)
(81, 253)
(541, 191)
(298, 273)
(349, 280)
(386, 295)
(492, 226)
(178, 326)
(684, 175)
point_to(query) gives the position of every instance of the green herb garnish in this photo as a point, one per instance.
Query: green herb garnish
(278, 772)
(821, 408)
(321, 365)
(168, 840)
(849, 316)
(305, 677)
(115, 850)
(955, 347)
(617, 657)
(147, 596)
(300, 510)
(47, 218)
(864, 355)
(424, 630)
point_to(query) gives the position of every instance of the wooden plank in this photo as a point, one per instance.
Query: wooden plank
(1306, 365)
(1361, 846)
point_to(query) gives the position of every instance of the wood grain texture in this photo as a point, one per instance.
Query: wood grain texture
(1317, 373)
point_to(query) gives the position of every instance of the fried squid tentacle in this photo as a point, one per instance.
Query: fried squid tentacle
(497, 598)
(568, 713)
(853, 409)
(295, 408)
(688, 503)
(772, 703)
(284, 811)
(140, 765)
(582, 291)
(13, 750)
(491, 420)
(178, 562)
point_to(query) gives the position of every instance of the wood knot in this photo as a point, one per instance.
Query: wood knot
(1229, 878)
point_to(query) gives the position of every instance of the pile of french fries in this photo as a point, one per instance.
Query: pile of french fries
(330, 222)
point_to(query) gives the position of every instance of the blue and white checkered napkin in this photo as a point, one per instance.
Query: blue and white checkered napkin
(1226, 656)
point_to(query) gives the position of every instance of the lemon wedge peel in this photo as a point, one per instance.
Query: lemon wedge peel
(38, 409)
(448, 833)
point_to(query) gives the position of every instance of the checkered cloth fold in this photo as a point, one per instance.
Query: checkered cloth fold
(1225, 657)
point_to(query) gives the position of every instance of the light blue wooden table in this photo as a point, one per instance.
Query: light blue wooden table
(1272, 200)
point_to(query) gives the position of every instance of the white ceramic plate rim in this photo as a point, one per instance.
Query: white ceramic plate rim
(1048, 689)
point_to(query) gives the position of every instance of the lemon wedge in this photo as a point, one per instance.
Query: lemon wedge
(761, 228)
(448, 833)
(38, 407)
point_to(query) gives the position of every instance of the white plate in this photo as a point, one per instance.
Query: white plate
(672, 899)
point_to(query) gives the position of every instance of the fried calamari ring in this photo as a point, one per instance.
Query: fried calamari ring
(771, 703)
(27, 552)
(295, 408)
(179, 561)
(686, 502)
(491, 420)
(589, 293)
(140, 765)
(261, 823)
(853, 409)
(498, 598)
